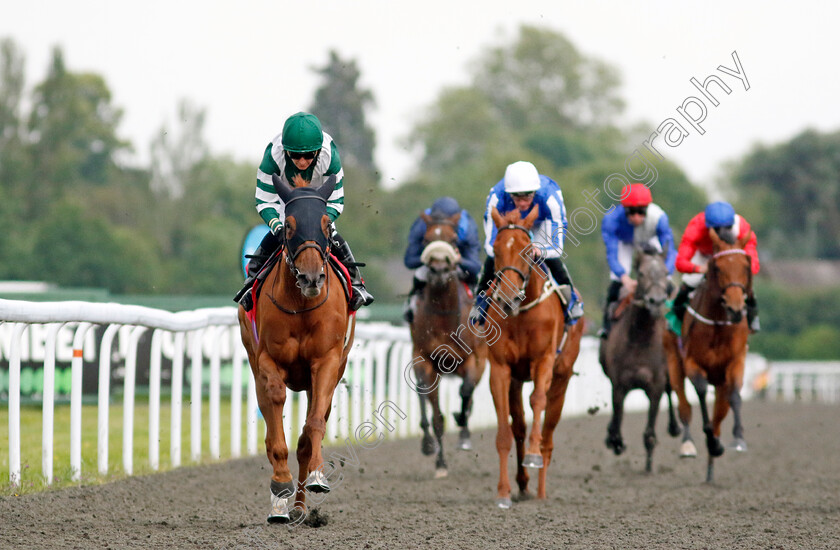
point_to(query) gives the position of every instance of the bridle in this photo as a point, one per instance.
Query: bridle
(642, 292)
(291, 256)
(526, 276)
(742, 286)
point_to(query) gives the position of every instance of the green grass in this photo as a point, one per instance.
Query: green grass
(32, 479)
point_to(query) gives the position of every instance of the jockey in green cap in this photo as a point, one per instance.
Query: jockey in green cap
(302, 155)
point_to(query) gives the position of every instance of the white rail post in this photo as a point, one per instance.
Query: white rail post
(195, 396)
(48, 405)
(14, 406)
(128, 399)
(76, 402)
(104, 397)
(154, 400)
(177, 397)
(215, 393)
(236, 395)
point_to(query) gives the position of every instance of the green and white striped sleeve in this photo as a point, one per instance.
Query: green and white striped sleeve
(335, 203)
(269, 206)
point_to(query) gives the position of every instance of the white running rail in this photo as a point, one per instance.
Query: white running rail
(373, 382)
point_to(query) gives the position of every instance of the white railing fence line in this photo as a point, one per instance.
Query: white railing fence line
(373, 386)
(817, 381)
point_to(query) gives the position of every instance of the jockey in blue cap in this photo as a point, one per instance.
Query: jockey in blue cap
(696, 248)
(468, 246)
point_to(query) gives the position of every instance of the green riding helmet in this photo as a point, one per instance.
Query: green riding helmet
(302, 133)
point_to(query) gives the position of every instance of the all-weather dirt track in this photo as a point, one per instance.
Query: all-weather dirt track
(784, 493)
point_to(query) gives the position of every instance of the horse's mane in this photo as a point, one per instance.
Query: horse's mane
(648, 249)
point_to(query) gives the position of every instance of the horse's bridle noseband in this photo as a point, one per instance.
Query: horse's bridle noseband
(293, 254)
(742, 286)
(526, 277)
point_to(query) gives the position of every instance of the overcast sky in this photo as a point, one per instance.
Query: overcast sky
(250, 65)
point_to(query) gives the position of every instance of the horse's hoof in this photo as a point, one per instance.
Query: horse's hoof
(280, 508)
(715, 447)
(738, 445)
(279, 518)
(316, 482)
(429, 446)
(532, 461)
(441, 473)
(688, 450)
(465, 444)
(504, 503)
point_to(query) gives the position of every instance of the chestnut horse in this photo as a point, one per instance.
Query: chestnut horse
(298, 339)
(714, 347)
(442, 343)
(633, 355)
(527, 339)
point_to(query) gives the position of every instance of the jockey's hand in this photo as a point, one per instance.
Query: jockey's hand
(536, 253)
(629, 283)
(703, 268)
(278, 230)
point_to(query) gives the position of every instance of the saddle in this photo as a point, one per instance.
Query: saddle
(338, 268)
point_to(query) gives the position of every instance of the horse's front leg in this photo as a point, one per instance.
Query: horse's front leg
(520, 432)
(541, 374)
(271, 397)
(676, 376)
(735, 379)
(422, 372)
(500, 378)
(614, 440)
(472, 375)
(437, 424)
(556, 397)
(310, 459)
(654, 395)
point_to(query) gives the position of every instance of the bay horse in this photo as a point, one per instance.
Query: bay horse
(442, 343)
(633, 354)
(298, 337)
(714, 347)
(527, 339)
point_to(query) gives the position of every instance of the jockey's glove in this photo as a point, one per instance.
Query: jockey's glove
(278, 230)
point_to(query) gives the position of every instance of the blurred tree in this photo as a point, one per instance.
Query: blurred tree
(175, 151)
(15, 166)
(340, 104)
(790, 193)
(72, 132)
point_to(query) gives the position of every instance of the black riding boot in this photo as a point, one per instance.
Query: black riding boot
(681, 301)
(561, 276)
(266, 248)
(612, 297)
(479, 309)
(752, 314)
(361, 297)
(417, 287)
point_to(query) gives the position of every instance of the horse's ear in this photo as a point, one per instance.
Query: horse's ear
(284, 190)
(455, 218)
(637, 258)
(528, 220)
(497, 218)
(742, 242)
(426, 218)
(327, 188)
